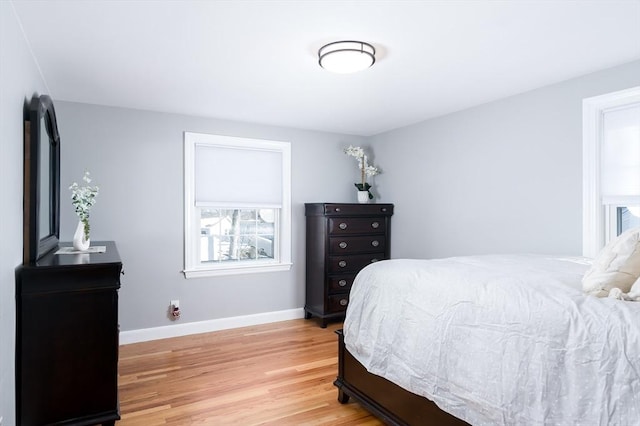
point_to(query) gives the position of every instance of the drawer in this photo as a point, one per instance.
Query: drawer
(338, 302)
(352, 225)
(340, 283)
(338, 245)
(352, 263)
(358, 209)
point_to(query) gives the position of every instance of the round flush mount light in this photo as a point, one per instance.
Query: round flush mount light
(344, 57)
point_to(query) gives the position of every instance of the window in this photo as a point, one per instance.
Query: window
(237, 205)
(611, 167)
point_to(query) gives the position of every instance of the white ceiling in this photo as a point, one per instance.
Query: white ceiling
(256, 61)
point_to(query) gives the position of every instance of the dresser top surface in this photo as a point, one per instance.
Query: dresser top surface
(348, 209)
(110, 255)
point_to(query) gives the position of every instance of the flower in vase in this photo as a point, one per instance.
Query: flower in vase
(83, 198)
(365, 168)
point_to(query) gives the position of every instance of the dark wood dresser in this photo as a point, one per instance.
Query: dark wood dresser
(341, 240)
(67, 339)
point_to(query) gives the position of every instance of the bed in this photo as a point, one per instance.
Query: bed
(489, 340)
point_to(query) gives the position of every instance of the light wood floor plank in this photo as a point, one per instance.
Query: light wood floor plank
(272, 374)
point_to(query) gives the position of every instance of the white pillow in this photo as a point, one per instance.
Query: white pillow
(616, 266)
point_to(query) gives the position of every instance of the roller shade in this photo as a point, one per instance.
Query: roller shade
(620, 152)
(237, 176)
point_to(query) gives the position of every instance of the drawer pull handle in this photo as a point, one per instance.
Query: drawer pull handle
(342, 226)
(342, 245)
(342, 283)
(374, 260)
(342, 263)
(343, 302)
(375, 225)
(375, 243)
(337, 209)
(384, 209)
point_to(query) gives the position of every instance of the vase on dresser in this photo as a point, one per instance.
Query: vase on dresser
(363, 197)
(81, 241)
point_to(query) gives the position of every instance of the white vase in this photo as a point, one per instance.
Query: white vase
(363, 197)
(79, 242)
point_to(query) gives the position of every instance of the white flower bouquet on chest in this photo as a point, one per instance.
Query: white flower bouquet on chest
(365, 169)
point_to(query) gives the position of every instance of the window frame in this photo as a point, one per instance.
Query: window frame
(595, 212)
(193, 268)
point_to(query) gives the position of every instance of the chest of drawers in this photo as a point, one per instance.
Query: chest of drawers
(67, 339)
(341, 240)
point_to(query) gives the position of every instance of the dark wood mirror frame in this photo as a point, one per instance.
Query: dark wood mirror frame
(41, 179)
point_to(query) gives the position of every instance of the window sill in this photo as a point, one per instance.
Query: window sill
(236, 270)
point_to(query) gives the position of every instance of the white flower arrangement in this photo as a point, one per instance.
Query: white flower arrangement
(83, 198)
(365, 169)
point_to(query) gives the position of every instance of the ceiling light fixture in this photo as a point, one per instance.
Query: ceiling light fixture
(344, 57)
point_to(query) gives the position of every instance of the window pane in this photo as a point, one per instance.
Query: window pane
(232, 235)
(628, 217)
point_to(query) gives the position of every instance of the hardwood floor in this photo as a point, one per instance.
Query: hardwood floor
(273, 374)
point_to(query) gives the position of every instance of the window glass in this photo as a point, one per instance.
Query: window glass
(231, 235)
(627, 218)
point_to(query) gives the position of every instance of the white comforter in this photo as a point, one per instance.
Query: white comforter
(499, 339)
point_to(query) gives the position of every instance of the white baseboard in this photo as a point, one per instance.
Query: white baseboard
(185, 329)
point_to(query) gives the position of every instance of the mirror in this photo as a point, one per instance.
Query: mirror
(41, 179)
(44, 227)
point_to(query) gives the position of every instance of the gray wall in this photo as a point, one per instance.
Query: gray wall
(136, 157)
(19, 80)
(504, 177)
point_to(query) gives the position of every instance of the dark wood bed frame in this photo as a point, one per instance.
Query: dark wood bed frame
(388, 401)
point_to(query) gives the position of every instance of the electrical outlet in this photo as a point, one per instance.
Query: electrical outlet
(174, 310)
